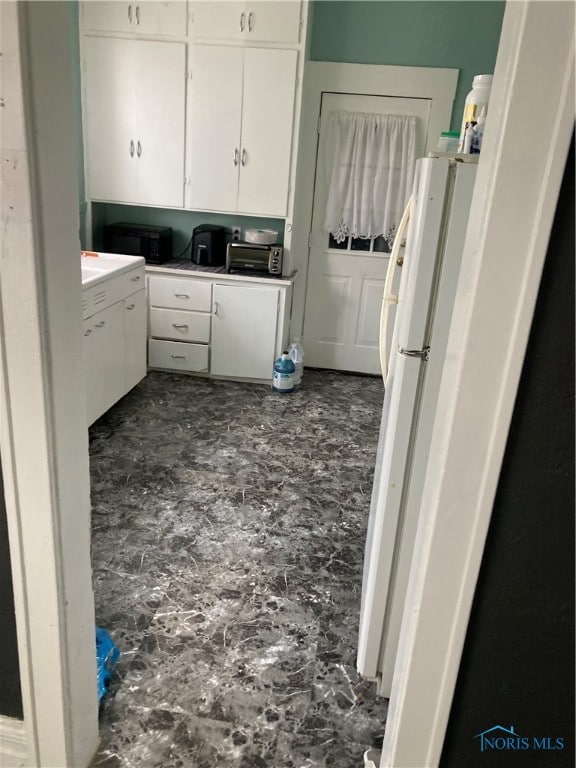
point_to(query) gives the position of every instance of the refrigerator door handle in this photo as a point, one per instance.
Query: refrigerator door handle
(423, 354)
(389, 298)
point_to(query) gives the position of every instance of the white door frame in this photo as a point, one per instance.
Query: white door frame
(437, 85)
(518, 181)
(43, 436)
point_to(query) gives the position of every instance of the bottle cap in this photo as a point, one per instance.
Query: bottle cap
(482, 80)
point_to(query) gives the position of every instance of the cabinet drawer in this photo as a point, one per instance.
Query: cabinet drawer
(178, 293)
(180, 325)
(177, 355)
(132, 282)
(108, 292)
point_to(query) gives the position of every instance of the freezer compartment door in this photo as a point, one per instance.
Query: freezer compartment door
(394, 449)
(423, 252)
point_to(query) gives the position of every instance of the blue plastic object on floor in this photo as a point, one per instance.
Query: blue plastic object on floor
(107, 654)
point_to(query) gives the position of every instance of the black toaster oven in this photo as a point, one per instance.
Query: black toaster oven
(253, 257)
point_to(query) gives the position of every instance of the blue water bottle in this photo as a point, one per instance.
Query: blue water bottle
(283, 374)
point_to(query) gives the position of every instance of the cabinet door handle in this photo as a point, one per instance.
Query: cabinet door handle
(179, 325)
(235, 157)
(178, 357)
(130, 14)
(139, 149)
(88, 332)
(101, 324)
(181, 295)
(216, 308)
(137, 14)
(130, 307)
(243, 159)
(135, 279)
(131, 148)
(250, 22)
(242, 17)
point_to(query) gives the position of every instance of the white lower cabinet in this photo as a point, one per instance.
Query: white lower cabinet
(134, 308)
(104, 359)
(234, 329)
(244, 329)
(114, 340)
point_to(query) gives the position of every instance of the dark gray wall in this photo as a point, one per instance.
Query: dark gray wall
(10, 695)
(518, 663)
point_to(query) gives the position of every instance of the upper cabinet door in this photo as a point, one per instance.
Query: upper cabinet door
(159, 120)
(267, 116)
(273, 22)
(263, 21)
(215, 116)
(109, 118)
(217, 20)
(134, 97)
(149, 18)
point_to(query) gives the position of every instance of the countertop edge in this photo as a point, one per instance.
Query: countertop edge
(158, 269)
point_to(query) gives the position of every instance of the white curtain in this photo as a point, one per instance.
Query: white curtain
(370, 168)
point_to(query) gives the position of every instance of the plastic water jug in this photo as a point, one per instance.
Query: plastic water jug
(283, 374)
(297, 356)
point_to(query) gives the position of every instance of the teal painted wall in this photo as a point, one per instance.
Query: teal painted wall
(458, 35)
(182, 222)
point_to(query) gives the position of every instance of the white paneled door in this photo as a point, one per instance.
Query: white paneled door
(346, 280)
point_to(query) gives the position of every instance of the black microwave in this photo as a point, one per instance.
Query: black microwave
(151, 242)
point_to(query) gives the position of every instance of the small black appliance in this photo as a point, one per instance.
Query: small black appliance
(209, 245)
(152, 242)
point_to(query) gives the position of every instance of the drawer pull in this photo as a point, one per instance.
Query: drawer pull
(179, 325)
(101, 324)
(178, 357)
(130, 14)
(131, 307)
(216, 308)
(181, 295)
(135, 279)
(137, 14)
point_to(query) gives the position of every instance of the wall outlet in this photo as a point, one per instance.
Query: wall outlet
(236, 233)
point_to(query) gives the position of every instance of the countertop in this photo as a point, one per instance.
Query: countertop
(180, 266)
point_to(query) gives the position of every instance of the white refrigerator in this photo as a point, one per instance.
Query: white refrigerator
(440, 205)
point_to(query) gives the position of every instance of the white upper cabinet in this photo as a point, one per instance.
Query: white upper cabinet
(241, 115)
(215, 122)
(145, 17)
(260, 21)
(134, 113)
(267, 116)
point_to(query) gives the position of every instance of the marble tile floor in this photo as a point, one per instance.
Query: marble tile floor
(228, 536)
